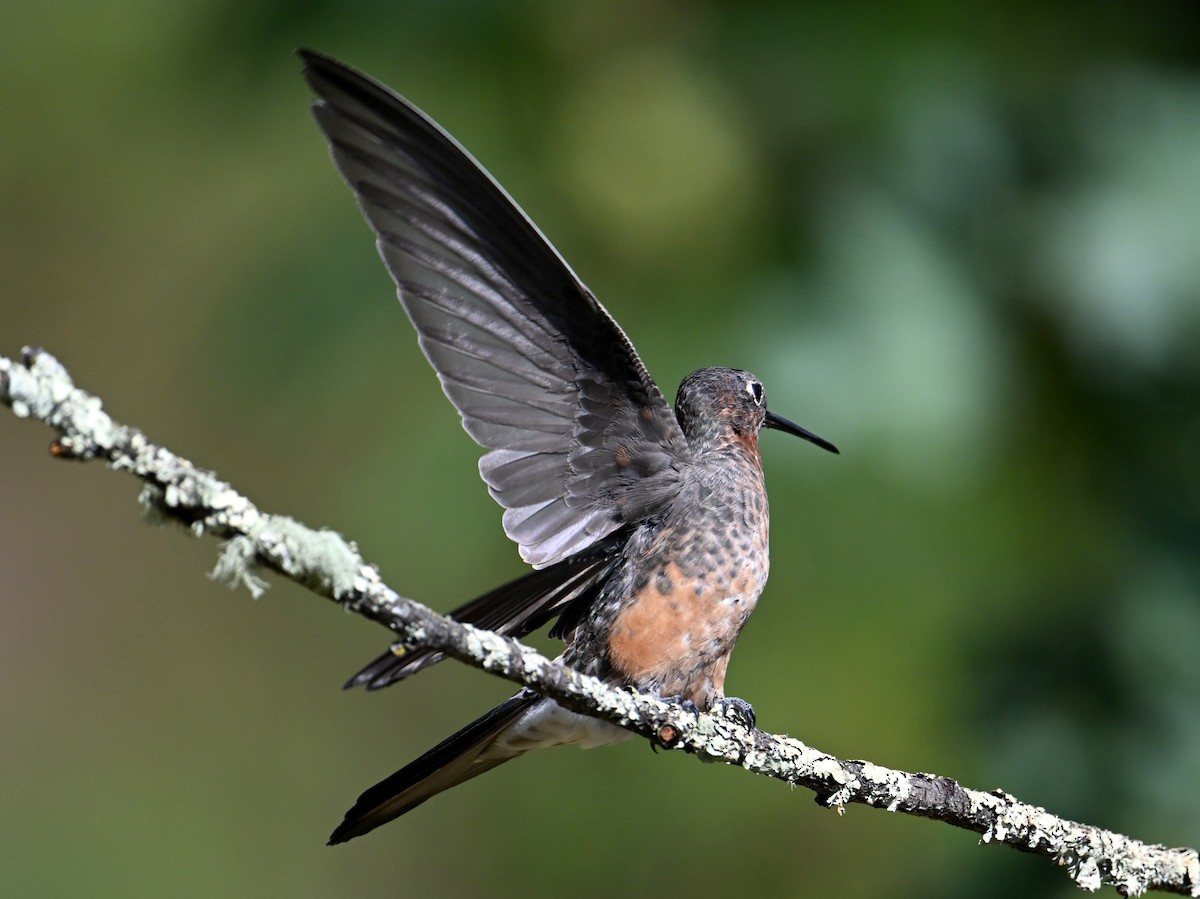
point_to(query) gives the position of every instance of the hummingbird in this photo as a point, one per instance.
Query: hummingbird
(646, 526)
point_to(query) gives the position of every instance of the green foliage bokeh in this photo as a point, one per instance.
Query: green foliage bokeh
(961, 242)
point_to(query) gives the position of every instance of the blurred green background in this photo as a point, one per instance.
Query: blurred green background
(961, 241)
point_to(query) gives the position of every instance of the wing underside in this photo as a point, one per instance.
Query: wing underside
(580, 439)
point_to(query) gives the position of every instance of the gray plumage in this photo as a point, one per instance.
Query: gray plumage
(647, 527)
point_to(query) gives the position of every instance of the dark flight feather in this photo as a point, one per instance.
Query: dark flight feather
(581, 439)
(451, 762)
(514, 609)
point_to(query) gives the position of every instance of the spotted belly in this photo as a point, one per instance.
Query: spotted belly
(674, 634)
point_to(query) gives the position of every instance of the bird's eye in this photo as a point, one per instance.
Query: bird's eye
(755, 389)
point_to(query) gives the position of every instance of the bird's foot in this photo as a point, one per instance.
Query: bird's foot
(736, 710)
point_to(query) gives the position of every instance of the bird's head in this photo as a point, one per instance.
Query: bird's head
(718, 405)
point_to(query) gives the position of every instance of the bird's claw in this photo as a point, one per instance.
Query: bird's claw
(736, 710)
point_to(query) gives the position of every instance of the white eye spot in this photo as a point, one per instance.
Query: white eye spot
(755, 389)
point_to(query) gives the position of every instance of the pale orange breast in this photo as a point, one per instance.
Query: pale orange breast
(675, 635)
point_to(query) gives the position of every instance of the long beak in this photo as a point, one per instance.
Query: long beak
(779, 423)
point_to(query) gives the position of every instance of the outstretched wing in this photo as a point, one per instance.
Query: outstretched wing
(580, 438)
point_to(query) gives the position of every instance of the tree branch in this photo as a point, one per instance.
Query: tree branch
(329, 566)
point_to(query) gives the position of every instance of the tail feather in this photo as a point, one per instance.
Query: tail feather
(456, 759)
(515, 609)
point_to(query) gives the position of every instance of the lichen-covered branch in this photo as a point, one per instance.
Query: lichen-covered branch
(39, 387)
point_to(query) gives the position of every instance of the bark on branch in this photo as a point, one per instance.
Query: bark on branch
(39, 387)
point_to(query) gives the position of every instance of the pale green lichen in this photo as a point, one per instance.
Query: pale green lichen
(235, 566)
(896, 784)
